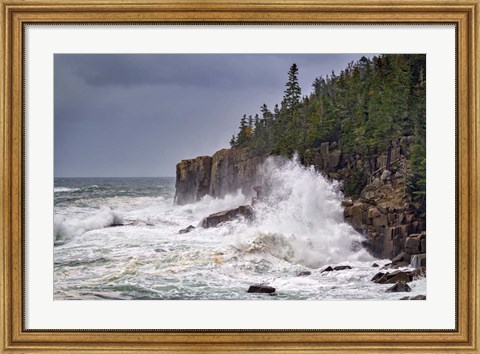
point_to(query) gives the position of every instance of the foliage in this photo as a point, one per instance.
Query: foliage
(369, 105)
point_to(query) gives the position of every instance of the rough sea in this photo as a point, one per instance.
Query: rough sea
(118, 238)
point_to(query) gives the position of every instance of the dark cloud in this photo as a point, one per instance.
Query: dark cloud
(138, 115)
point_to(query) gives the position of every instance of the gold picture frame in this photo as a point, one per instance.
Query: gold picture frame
(464, 14)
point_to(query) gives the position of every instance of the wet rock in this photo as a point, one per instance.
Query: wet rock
(400, 287)
(304, 273)
(400, 264)
(377, 276)
(347, 202)
(418, 273)
(398, 276)
(214, 220)
(419, 260)
(399, 257)
(328, 269)
(394, 277)
(264, 289)
(375, 265)
(413, 243)
(227, 171)
(342, 267)
(193, 179)
(187, 229)
(419, 297)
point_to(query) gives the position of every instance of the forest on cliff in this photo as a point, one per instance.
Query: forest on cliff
(365, 109)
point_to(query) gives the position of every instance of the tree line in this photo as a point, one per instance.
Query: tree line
(365, 108)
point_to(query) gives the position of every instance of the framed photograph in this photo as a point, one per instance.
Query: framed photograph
(209, 176)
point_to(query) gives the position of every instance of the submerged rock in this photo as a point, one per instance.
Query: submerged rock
(400, 287)
(227, 215)
(304, 273)
(264, 289)
(187, 229)
(375, 265)
(328, 269)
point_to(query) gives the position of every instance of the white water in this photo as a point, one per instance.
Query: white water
(298, 226)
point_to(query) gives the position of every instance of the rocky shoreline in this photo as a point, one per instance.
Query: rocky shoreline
(394, 227)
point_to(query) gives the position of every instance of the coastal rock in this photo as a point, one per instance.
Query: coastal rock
(233, 170)
(187, 229)
(400, 287)
(419, 260)
(342, 267)
(260, 288)
(193, 179)
(227, 171)
(328, 269)
(305, 273)
(394, 277)
(419, 297)
(213, 220)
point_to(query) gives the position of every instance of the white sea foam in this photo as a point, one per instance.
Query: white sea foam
(67, 228)
(300, 218)
(64, 189)
(298, 226)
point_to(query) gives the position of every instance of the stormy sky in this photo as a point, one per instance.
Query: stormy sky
(132, 115)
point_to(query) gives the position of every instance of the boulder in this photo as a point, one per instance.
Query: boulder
(373, 213)
(342, 267)
(394, 277)
(375, 265)
(377, 276)
(214, 220)
(328, 269)
(416, 243)
(260, 288)
(419, 297)
(418, 273)
(385, 175)
(400, 287)
(398, 277)
(187, 229)
(399, 257)
(304, 273)
(347, 202)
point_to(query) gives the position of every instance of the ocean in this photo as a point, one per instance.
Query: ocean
(118, 239)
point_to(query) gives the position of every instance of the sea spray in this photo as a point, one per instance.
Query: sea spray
(66, 229)
(148, 259)
(300, 218)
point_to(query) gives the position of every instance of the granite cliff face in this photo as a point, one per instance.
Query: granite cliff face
(227, 171)
(193, 179)
(383, 211)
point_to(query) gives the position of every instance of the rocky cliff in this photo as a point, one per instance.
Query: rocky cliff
(383, 210)
(227, 171)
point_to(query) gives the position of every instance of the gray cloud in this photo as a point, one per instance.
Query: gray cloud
(138, 115)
